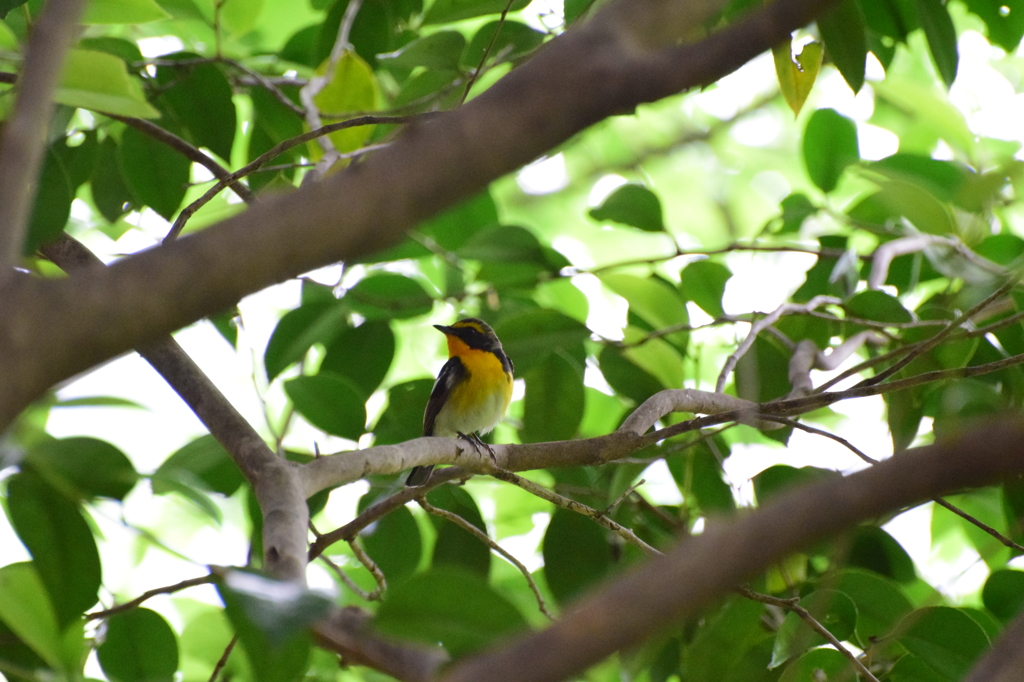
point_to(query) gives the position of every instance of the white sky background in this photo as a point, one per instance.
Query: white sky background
(149, 435)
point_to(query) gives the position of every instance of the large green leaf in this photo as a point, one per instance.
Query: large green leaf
(27, 611)
(834, 610)
(938, 28)
(703, 282)
(842, 30)
(455, 546)
(123, 12)
(60, 542)
(441, 50)
(353, 88)
(445, 11)
(946, 640)
(139, 645)
(1004, 28)
(203, 460)
(403, 418)
(109, 191)
(456, 608)
(156, 174)
(577, 554)
(83, 468)
(528, 336)
(52, 204)
(830, 145)
(388, 295)
(195, 99)
(329, 402)
(632, 205)
(363, 354)
(100, 82)
(393, 542)
(554, 400)
(317, 321)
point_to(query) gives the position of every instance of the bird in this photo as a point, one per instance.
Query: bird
(471, 392)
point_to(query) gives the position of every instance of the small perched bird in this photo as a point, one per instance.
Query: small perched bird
(472, 391)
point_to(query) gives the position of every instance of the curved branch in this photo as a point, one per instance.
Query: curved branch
(703, 567)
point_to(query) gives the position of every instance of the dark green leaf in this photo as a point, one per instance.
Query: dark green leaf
(832, 609)
(7, 5)
(139, 645)
(441, 50)
(874, 549)
(878, 306)
(946, 640)
(703, 282)
(403, 418)
(554, 402)
(633, 205)
(445, 11)
(626, 377)
(796, 208)
(938, 28)
(78, 161)
(705, 481)
(1004, 28)
(731, 629)
(272, 123)
(197, 99)
(388, 296)
(781, 477)
(880, 602)
(362, 354)
(156, 174)
(830, 144)
(458, 609)
(762, 374)
(513, 41)
(576, 554)
(1001, 248)
(109, 191)
(1003, 594)
(944, 179)
(900, 199)
(330, 402)
(60, 542)
(903, 415)
(319, 321)
(892, 18)
(27, 611)
(393, 542)
(511, 255)
(204, 460)
(842, 29)
(823, 278)
(454, 546)
(119, 47)
(226, 323)
(820, 663)
(83, 468)
(52, 206)
(529, 335)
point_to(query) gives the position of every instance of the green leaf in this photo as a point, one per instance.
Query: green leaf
(446, 11)
(796, 208)
(191, 488)
(892, 18)
(577, 554)
(762, 374)
(352, 89)
(330, 402)
(553, 407)
(878, 306)
(632, 205)
(730, 629)
(842, 30)
(830, 145)
(296, 332)
(77, 161)
(388, 296)
(874, 549)
(797, 76)
(1005, 29)
(653, 301)
(196, 99)
(240, 17)
(123, 12)
(363, 354)
(1003, 594)
(440, 50)
(60, 542)
(703, 282)
(508, 41)
(826, 664)
(511, 256)
(782, 477)
(271, 619)
(700, 475)
(83, 468)
(203, 460)
(393, 542)
(946, 640)
(528, 336)
(938, 28)
(100, 82)
(139, 645)
(52, 206)
(109, 191)
(156, 174)
(454, 546)
(626, 377)
(403, 418)
(456, 608)
(272, 123)
(27, 611)
(835, 610)
(880, 602)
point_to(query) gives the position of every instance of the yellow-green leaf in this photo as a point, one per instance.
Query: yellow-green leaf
(123, 12)
(100, 82)
(796, 77)
(352, 89)
(239, 16)
(8, 41)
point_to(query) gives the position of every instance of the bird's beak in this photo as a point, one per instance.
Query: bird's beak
(443, 329)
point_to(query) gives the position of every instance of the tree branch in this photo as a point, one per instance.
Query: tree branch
(23, 139)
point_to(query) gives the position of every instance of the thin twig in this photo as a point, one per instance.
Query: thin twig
(941, 335)
(267, 85)
(624, 495)
(494, 546)
(371, 566)
(223, 660)
(169, 589)
(572, 505)
(487, 52)
(349, 582)
(794, 606)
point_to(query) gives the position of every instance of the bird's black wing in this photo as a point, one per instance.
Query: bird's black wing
(451, 374)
